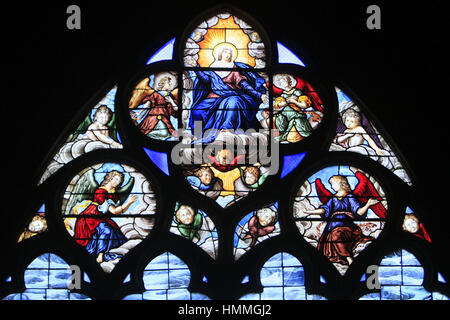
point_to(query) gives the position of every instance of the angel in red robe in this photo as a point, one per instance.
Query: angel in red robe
(341, 235)
(94, 230)
(158, 106)
(261, 224)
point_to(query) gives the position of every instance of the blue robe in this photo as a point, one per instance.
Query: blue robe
(232, 109)
(345, 204)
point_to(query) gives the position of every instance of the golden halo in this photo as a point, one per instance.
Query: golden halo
(219, 47)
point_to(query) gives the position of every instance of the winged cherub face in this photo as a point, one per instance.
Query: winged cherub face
(266, 217)
(185, 215)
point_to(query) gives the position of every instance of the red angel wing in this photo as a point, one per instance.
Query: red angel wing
(365, 190)
(226, 167)
(423, 233)
(308, 90)
(322, 192)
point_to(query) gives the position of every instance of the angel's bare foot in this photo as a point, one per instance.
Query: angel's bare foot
(349, 260)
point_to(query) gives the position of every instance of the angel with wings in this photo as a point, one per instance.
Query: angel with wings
(341, 235)
(355, 130)
(159, 104)
(99, 128)
(297, 108)
(93, 229)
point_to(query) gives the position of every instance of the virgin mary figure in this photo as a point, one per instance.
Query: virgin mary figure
(226, 99)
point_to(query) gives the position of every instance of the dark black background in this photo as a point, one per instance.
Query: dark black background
(398, 72)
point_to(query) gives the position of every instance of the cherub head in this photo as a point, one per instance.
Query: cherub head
(340, 183)
(102, 114)
(205, 175)
(411, 223)
(251, 175)
(254, 36)
(224, 157)
(197, 36)
(164, 83)
(351, 118)
(266, 217)
(304, 101)
(279, 103)
(37, 224)
(284, 81)
(113, 179)
(185, 214)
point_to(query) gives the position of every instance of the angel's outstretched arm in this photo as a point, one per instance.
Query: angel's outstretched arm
(363, 210)
(124, 207)
(316, 211)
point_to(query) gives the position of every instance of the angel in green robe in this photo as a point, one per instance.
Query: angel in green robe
(188, 221)
(94, 204)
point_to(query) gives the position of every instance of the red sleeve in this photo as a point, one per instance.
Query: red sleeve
(308, 90)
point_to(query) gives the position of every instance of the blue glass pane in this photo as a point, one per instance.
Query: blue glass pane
(390, 275)
(394, 259)
(408, 259)
(156, 279)
(287, 56)
(295, 293)
(275, 261)
(36, 278)
(59, 278)
(290, 162)
(415, 293)
(57, 294)
(178, 294)
(166, 277)
(164, 53)
(413, 275)
(272, 293)
(390, 293)
(439, 296)
(34, 294)
(176, 262)
(160, 159)
(179, 278)
(441, 278)
(271, 276)
(40, 262)
(78, 296)
(158, 263)
(290, 261)
(199, 296)
(155, 295)
(56, 262)
(293, 276)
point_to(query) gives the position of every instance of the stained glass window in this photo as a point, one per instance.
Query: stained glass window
(224, 167)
